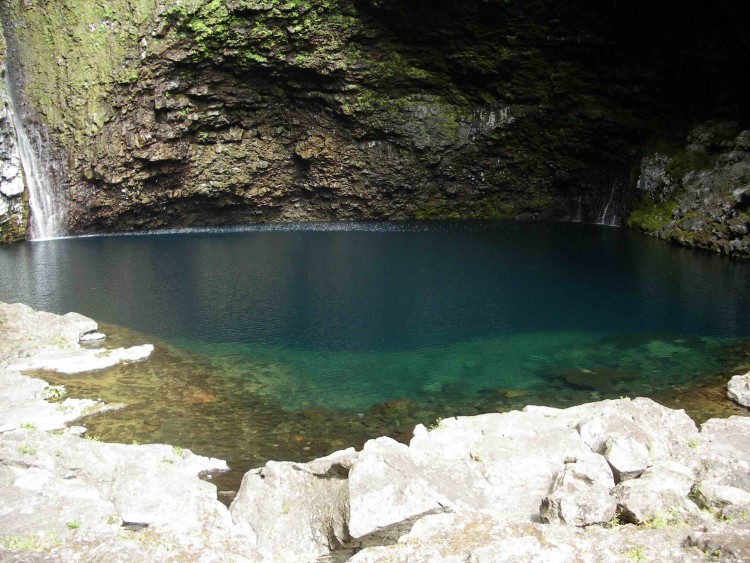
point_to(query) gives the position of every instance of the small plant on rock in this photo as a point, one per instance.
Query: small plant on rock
(636, 554)
(54, 392)
(436, 424)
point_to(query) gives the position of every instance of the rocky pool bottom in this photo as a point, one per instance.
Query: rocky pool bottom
(615, 480)
(218, 403)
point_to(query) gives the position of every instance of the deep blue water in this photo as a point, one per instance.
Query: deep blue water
(382, 287)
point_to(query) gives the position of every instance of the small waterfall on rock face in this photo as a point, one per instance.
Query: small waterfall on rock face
(608, 214)
(48, 212)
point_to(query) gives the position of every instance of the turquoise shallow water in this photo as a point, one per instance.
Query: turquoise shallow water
(290, 341)
(530, 363)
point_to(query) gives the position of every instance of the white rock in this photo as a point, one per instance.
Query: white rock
(296, 511)
(504, 462)
(13, 187)
(581, 493)
(627, 456)
(724, 474)
(81, 360)
(738, 389)
(660, 493)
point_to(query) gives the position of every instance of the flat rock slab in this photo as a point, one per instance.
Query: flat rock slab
(25, 332)
(83, 360)
(76, 494)
(484, 536)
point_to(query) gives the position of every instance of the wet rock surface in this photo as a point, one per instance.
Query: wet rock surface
(536, 485)
(695, 192)
(13, 208)
(196, 113)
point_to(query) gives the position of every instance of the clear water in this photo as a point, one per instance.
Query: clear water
(288, 342)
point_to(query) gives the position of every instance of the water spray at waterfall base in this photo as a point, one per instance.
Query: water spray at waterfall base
(48, 209)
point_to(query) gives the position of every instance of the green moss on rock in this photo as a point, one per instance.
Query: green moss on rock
(687, 161)
(652, 215)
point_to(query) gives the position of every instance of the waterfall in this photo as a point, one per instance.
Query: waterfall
(608, 215)
(48, 211)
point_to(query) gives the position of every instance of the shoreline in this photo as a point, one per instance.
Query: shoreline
(69, 497)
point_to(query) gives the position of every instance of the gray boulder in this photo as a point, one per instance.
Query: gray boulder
(581, 493)
(738, 389)
(723, 482)
(660, 494)
(504, 462)
(627, 456)
(86, 491)
(665, 433)
(296, 511)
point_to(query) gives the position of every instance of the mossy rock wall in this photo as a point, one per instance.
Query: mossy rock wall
(697, 192)
(209, 112)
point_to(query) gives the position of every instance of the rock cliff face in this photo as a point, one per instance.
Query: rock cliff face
(209, 112)
(698, 193)
(13, 207)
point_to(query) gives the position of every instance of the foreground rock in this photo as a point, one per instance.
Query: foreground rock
(625, 480)
(72, 498)
(479, 488)
(32, 340)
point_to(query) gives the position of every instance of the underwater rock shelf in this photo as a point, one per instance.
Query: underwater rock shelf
(611, 480)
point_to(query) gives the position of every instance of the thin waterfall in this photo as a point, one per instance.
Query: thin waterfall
(48, 212)
(608, 215)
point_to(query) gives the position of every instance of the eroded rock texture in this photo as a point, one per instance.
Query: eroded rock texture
(212, 112)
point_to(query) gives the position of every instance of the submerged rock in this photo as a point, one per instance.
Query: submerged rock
(603, 380)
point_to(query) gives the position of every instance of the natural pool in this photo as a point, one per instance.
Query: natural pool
(290, 341)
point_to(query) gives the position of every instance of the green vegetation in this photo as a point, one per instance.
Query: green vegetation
(28, 425)
(79, 50)
(25, 449)
(73, 525)
(688, 161)
(636, 554)
(30, 542)
(651, 215)
(659, 521)
(437, 424)
(54, 392)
